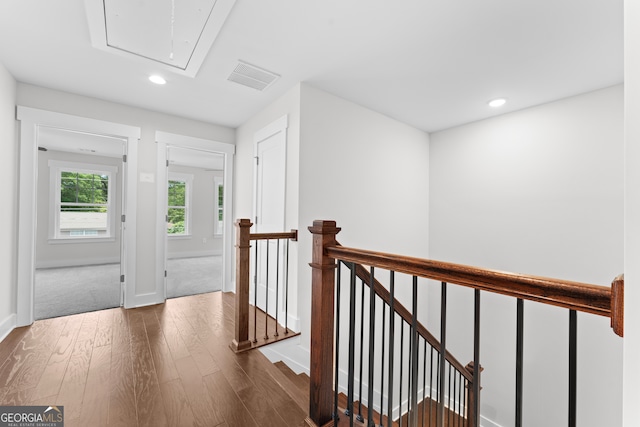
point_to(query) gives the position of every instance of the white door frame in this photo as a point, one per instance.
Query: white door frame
(165, 140)
(30, 121)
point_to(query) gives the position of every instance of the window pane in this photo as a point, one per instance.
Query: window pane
(78, 187)
(176, 223)
(83, 220)
(177, 191)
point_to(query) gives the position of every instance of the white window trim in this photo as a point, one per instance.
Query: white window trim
(55, 169)
(188, 180)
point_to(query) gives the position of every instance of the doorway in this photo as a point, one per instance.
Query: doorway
(194, 199)
(195, 221)
(78, 238)
(269, 213)
(40, 126)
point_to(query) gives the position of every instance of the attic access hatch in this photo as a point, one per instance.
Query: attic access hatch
(175, 34)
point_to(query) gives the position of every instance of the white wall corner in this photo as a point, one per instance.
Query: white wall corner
(7, 325)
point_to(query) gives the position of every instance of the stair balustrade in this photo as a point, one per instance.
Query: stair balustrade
(417, 380)
(270, 270)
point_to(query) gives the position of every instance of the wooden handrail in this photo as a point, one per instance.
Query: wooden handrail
(383, 293)
(571, 295)
(292, 235)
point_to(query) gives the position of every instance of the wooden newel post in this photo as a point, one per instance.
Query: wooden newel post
(322, 325)
(241, 340)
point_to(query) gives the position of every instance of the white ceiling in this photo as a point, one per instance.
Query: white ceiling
(430, 63)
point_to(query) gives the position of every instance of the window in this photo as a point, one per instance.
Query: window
(81, 200)
(219, 189)
(179, 209)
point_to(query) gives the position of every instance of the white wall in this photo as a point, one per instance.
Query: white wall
(632, 213)
(149, 122)
(8, 215)
(539, 191)
(367, 172)
(202, 240)
(75, 253)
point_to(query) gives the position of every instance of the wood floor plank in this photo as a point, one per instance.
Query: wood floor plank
(204, 411)
(72, 389)
(162, 358)
(176, 404)
(231, 407)
(89, 326)
(104, 328)
(172, 335)
(146, 386)
(95, 402)
(201, 357)
(122, 398)
(121, 338)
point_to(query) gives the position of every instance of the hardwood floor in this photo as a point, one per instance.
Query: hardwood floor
(164, 365)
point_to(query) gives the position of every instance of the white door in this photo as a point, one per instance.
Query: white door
(269, 214)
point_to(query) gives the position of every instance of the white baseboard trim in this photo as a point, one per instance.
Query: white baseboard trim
(7, 325)
(77, 262)
(290, 352)
(147, 299)
(193, 254)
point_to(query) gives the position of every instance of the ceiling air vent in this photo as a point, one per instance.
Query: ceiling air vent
(252, 76)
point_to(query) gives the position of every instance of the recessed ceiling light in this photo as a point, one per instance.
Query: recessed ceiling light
(499, 102)
(157, 79)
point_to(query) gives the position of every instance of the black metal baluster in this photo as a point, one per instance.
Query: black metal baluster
(573, 367)
(464, 399)
(430, 384)
(352, 345)
(401, 365)
(392, 318)
(413, 415)
(424, 379)
(519, 357)
(286, 294)
(372, 332)
(460, 386)
(336, 377)
(443, 352)
(384, 313)
(476, 358)
(449, 400)
(360, 417)
(255, 296)
(266, 296)
(275, 334)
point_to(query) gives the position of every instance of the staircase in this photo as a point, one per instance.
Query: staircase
(297, 387)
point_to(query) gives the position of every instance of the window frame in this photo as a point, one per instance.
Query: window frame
(56, 167)
(188, 180)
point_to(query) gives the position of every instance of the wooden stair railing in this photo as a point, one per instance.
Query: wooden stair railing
(574, 296)
(241, 341)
